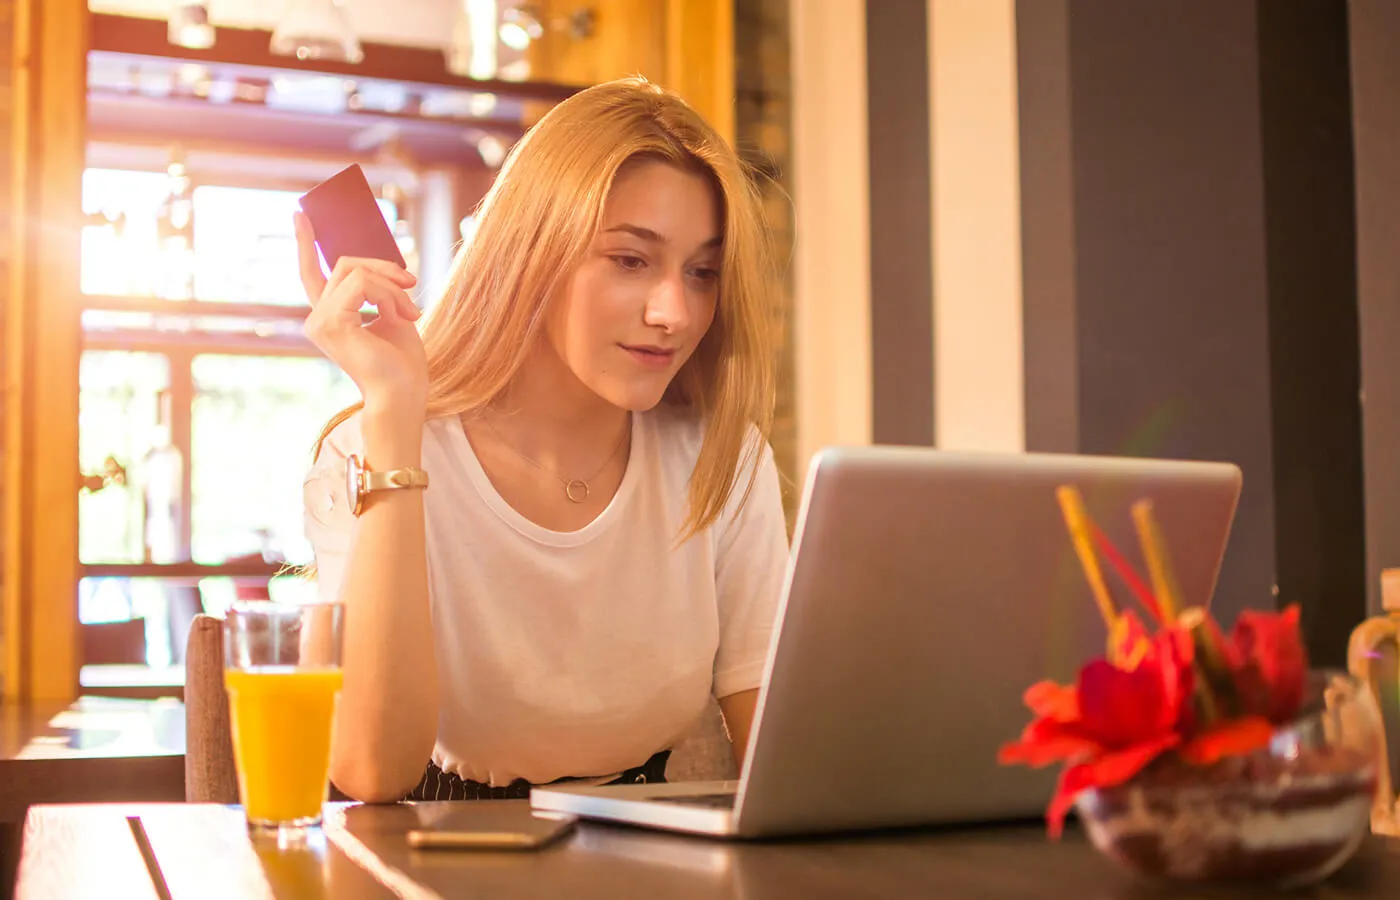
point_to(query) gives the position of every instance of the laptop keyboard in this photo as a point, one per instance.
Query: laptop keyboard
(713, 801)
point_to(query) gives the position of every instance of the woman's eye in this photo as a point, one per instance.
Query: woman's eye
(706, 275)
(628, 263)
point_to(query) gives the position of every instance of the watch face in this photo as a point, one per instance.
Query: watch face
(352, 483)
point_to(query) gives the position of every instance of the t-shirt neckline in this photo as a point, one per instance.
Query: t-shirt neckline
(530, 529)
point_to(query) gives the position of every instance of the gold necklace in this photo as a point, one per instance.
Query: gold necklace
(575, 489)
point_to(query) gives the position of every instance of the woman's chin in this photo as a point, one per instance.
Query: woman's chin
(633, 396)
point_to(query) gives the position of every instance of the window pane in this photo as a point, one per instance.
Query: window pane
(119, 416)
(255, 422)
(245, 248)
(124, 255)
(245, 245)
(166, 607)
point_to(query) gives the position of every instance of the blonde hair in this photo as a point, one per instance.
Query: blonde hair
(533, 228)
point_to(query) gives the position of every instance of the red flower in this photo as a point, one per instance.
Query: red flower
(1185, 689)
(1270, 663)
(1123, 713)
(1115, 720)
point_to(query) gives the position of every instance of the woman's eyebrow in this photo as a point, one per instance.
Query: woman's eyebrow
(654, 237)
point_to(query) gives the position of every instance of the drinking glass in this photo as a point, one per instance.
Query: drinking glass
(282, 672)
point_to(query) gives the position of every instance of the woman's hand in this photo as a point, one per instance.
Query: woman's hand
(384, 358)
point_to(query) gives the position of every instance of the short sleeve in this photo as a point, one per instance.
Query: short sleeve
(750, 566)
(326, 518)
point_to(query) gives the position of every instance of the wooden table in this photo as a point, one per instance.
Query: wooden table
(132, 682)
(204, 851)
(94, 749)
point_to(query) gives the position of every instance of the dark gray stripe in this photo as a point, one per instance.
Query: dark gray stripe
(1314, 357)
(901, 228)
(1049, 327)
(1150, 316)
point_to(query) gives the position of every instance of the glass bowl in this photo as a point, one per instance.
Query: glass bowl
(1288, 814)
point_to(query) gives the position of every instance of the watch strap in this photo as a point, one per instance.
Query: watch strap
(394, 478)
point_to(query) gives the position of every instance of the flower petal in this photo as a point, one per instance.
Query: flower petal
(1072, 780)
(1272, 662)
(1053, 701)
(1176, 654)
(1233, 738)
(1106, 771)
(1120, 708)
(1046, 740)
(1115, 768)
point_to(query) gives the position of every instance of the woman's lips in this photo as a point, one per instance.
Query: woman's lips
(651, 356)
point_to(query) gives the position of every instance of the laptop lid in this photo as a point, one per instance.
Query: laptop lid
(926, 592)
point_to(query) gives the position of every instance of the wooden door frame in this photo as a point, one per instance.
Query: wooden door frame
(42, 341)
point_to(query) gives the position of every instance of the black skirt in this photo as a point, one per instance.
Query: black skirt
(440, 785)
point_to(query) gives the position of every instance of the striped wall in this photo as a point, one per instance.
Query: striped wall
(831, 264)
(907, 280)
(1098, 226)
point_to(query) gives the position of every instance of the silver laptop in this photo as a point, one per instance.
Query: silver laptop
(926, 591)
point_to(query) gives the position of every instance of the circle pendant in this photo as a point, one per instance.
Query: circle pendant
(576, 490)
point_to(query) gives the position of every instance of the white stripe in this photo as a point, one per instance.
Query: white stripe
(831, 262)
(974, 144)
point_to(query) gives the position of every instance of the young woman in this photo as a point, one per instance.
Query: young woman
(585, 541)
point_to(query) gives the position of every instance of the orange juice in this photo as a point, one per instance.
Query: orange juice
(282, 719)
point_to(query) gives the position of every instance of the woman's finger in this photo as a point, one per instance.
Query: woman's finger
(337, 319)
(312, 279)
(346, 297)
(347, 264)
(407, 308)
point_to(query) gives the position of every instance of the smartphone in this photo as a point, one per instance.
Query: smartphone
(475, 826)
(347, 219)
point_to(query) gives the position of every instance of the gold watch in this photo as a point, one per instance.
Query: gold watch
(361, 481)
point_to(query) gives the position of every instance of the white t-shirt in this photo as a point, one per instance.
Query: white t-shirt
(576, 654)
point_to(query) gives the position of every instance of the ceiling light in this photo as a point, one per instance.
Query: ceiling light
(189, 26)
(519, 26)
(492, 150)
(523, 23)
(316, 29)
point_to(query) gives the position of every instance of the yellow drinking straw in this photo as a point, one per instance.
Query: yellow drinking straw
(1154, 551)
(1077, 520)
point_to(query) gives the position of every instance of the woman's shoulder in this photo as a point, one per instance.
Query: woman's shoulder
(679, 434)
(676, 428)
(684, 428)
(343, 439)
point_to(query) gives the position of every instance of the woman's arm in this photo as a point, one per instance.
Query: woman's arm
(386, 722)
(738, 712)
(749, 571)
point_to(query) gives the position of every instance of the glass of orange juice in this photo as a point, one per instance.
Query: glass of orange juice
(282, 672)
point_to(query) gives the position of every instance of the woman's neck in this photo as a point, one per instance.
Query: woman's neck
(550, 416)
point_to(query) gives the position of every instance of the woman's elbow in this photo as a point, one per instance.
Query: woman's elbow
(368, 783)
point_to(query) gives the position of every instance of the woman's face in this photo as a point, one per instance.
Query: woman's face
(645, 294)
